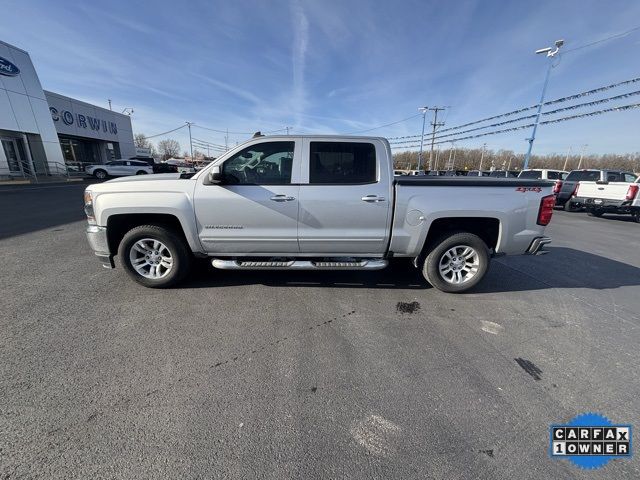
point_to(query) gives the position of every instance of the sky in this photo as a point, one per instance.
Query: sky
(335, 66)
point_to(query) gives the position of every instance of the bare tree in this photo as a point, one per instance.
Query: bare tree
(469, 159)
(168, 148)
(141, 141)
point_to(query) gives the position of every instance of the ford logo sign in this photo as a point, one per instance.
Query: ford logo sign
(7, 68)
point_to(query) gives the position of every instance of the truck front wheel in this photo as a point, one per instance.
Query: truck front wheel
(456, 262)
(155, 256)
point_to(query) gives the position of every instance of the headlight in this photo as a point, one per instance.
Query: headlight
(88, 207)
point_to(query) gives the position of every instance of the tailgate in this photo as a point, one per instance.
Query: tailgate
(606, 191)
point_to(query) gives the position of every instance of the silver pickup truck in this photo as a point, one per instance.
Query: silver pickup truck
(314, 203)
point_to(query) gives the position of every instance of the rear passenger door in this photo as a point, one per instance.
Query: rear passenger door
(345, 198)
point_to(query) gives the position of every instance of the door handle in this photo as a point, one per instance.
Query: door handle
(282, 198)
(373, 198)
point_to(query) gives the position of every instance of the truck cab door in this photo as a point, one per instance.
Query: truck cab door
(346, 198)
(254, 210)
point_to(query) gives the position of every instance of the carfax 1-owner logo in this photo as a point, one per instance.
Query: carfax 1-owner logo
(590, 440)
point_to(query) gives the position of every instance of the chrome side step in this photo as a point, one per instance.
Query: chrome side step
(364, 264)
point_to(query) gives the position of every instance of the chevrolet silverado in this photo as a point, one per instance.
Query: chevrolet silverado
(314, 203)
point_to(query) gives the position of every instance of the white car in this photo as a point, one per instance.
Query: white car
(119, 168)
(543, 174)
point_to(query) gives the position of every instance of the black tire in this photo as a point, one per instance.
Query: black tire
(636, 216)
(174, 243)
(141, 172)
(431, 266)
(568, 207)
(595, 212)
(100, 174)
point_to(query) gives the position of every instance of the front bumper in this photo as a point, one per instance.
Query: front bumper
(97, 237)
(537, 246)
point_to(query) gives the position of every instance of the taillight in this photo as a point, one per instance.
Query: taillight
(557, 187)
(546, 209)
(632, 192)
(575, 190)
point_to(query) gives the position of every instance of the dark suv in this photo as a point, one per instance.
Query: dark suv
(157, 167)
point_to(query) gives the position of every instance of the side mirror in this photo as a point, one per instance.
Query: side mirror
(214, 176)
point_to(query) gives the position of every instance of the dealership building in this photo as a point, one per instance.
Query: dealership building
(44, 133)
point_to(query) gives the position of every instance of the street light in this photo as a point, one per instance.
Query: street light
(424, 111)
(550, 52)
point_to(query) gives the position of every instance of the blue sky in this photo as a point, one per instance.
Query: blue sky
(333, 66)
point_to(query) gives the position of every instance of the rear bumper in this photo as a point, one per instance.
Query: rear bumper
(97, 237)
(537, 246)
(607, 204)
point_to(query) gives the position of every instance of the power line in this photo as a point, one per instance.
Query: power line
(606, 39)
(164, 133)
(546, 122)
(520, 110)
(527, 117)
(385, 125)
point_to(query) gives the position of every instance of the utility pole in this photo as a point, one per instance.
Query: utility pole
(226, 141)
(566, 159)
(550, 54)
(109, 100)
(584, 148)
(435, 125)
(190, 140)
(287, 128)
(424, 111)
(484, 147)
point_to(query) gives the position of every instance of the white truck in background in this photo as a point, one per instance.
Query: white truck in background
(617, 194)
(314, 203)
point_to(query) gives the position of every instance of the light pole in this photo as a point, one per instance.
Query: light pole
(566, 159)
(484, 147)
(551, 52)
(584, 148)
(424, 111)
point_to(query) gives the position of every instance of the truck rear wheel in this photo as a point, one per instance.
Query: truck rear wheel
(155, 256)
(457, 262)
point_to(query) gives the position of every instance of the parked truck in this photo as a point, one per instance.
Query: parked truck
(314, 203)
(617, 194)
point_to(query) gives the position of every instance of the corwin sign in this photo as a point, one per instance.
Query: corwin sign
(7, 68)
(83, 121)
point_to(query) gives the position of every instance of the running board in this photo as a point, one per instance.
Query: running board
(364, 264)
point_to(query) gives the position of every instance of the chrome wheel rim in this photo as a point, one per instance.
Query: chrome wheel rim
(151, 258)
(459, 264)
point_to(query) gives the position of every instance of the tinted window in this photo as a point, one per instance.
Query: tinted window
(530, 174)
(268, 163)
(583, 176)
(342, 162)
(551, 175)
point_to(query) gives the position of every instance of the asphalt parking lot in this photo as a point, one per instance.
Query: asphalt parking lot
(308, 375)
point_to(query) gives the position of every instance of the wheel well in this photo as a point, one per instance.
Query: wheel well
(119, 225)
(486, 228)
